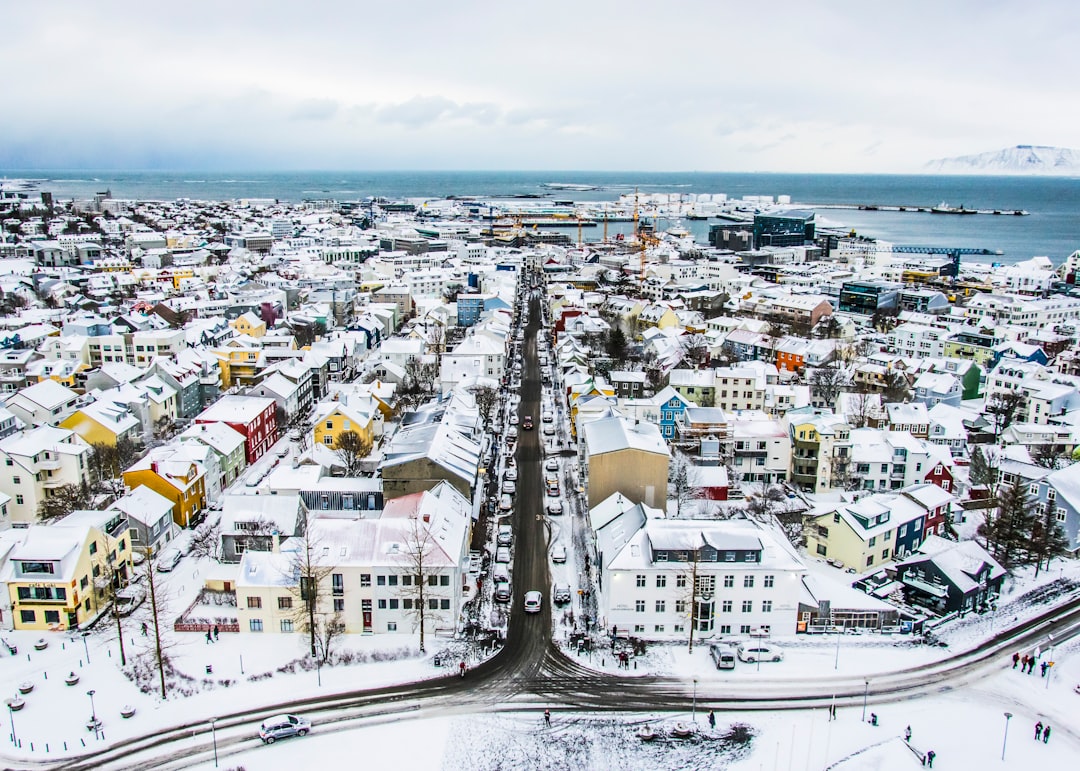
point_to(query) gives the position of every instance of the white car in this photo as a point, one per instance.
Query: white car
(551, 464)
(167, 560)
(511, 474)
(506, 503)
(513, 419)
(558, 554)
(505, 536)
(555, 507)
(128, 598)
(759, 652)
(547, 417)
(509, 487)
(534, 601)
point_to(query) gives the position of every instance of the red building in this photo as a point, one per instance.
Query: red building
(941, 475)
(253, 416)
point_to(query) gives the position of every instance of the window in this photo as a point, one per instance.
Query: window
(659, 628)
(821, 549)
(286, 625)
(769, 580)
(870, 560)
(329, 426)
(680, 582)
(365, 579)
(885, 554)
(432, 580)
(444, 604)
(744, 629)
(444, 580)
(328, 439)
(766, 606)
(392, 580)
(8, 462)
(639, 606)
(391, 626)
(19, 500)
(729, 556)
(836, 516)
(747, 606)
(725, 606)
(407, 603)
(725, 629)
(1061, 515)
(729, 582)
(255, 624)
(284, 603)
(661, 606)
(433, 604)
(680, 606)
(52, 617)
(393, 604)
(406, 580)
(337, 580)
(639, 628)
(382, 604)
(380, 580)
(84, 582)
(748, 582)
(661, 582)
(27, 616)
(873, 541)
(641, 580)
(339, 605)
(93, 547)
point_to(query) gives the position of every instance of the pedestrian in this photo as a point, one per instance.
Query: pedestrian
(547, 717)
(209, 637)
(1023, 663)
(215, 633)
(907, 734)
(712, 719)
(1016, 659)
(144, 629)
(832, 710)
(1038, 730)
(873, 718)
(1046, 734)
(1044, 666)
(930, 758)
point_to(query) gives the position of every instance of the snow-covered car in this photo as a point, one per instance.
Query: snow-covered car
(502, 554)
(561, 594)
(513, 419)
(511, 433)
(502, 591)
(551, 464)
(534, 601)
(555, 507)
(553, 489)
(509, 487)
(558, 554)
(759, 652)
(506, 503)
(167, 560)
(549, 429)
(128, 598)
(547, 417)
(511, 474)
(505, 536)
(283, 726)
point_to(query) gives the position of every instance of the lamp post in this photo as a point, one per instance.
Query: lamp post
(93, 712)
(11, 716)
(1008, 716)
(213, 733)
(85, 646)
(1050, 662)
(865, 693)
(836, 663)
(693, 712)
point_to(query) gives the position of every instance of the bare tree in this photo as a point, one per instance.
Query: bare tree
(827, 383)
(206, 540)
(486, 399)
(1001, 410)
(351, 449)
(63, 500)
(695, 349)
(684, 480)
(158, 611)
(309, 572)
(897, 388)
(420, 572)
(861, 408)
(327, 629)
(694, 591)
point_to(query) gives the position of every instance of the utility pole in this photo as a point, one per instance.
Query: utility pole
(154, 611)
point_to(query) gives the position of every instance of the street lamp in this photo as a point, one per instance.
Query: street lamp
(693, 712)
(93, 712)
(11, 716)
(836, 663)
(85, 646)
(866, 691)
(1008, 716)
(213, 732)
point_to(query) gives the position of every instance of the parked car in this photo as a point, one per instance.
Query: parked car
(551, 464)
(561, 594)
(167, 560)
(502, 591)
(555, 507)
(553, 490)
(511, 474)
(558, 554)
(506, 535)
(757, 651)
(534, 601)
(513, 419)
(501, 572)
(547, 417)
(506, 503)
(283, 726)
(509, 487)
(502, 554)
(128, 598)
(722, 655)
(549, 429)
(511, 433)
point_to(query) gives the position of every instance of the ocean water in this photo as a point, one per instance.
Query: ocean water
(1052, 228)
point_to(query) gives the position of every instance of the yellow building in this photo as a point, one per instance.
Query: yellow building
(103, 423)
(59, 576)
(241, 360)
(180, 480)
(335, 418)
(249, 324)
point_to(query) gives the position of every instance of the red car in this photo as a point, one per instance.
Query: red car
(527, 422)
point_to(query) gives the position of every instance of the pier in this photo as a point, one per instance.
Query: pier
(940, 209)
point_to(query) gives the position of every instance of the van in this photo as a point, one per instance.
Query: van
(723, 656)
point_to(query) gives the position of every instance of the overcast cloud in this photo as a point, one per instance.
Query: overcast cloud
(712, 86)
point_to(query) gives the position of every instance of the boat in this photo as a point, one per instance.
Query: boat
(646, 734)
(681, 730)
(944, 208)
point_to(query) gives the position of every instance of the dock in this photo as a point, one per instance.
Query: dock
(941, 209)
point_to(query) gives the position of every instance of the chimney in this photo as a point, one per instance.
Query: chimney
(154, 466)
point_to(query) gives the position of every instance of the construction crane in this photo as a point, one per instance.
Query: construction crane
(644, 239)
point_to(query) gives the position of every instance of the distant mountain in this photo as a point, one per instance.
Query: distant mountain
(1022, 159)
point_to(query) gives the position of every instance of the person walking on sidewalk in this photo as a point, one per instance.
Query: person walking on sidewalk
(907, 734)
(1046, 735)
(1016, 659)
(1038, 730)
(930, 758)
(712, 719)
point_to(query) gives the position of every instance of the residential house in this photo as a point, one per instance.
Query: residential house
(37, 461)
(172, 475)
(332, 419)
(1059, 492)
(252, 416)
(624, 456)
(259, 523)
(105, 422)
(950, 577)
(43, 403)
(149, 519)
(821, 449)
(419, 457)
(228, 445)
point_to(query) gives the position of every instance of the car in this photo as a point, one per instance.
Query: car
(502, 591)
(527, 423)
(511, 461)
(282, 727)
(547, 417)
(127, 599)
(511, 433)
(551, 479)
(167, 560)
(561, 594)
(506, 503)
(558, 554)
(502, 554)
(509, 487)
(553, 490)
(511, 474)
(722, 655)
(513, 419)
(759, 652)
(505, 536)
(549, 429)
(555, 508)
(551, 464)
(534, 601)
(475, 562)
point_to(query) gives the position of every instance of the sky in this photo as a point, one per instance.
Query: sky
(691, 85)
